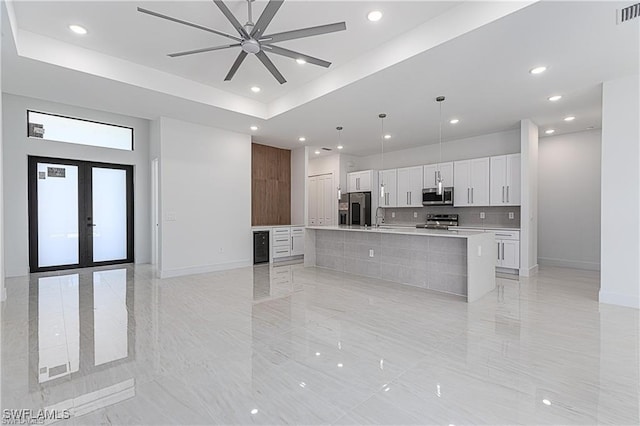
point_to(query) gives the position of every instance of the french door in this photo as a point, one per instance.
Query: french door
(80, 214)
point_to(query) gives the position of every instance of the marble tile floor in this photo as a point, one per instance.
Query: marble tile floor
(295, 345)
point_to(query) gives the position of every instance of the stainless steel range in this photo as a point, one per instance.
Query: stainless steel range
(439, 221)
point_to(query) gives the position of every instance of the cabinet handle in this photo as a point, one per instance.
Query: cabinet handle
(435, 178)
(503, 194)
(468, 198)
(472, 195)
(498, 251)
(410, 198)
(502, 251)
(507, 193)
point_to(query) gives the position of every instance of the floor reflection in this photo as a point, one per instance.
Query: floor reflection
(292, 345)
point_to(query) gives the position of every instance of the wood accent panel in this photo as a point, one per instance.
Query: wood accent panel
(270, 186)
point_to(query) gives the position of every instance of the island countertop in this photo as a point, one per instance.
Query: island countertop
(400, 230)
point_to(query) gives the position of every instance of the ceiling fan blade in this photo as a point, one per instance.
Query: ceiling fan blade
(206, 49)
(295, 55)
(190, 24)
(226, 12)
(272, 68)
(265, 19)
(235, 66)
(304, 32)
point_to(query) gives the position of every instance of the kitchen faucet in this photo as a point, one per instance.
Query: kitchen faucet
(379, 216)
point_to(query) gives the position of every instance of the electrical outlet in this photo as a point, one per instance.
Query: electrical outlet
(371, 253)
(510, 215)
(415, 215)
(481, 215)
(393, 214)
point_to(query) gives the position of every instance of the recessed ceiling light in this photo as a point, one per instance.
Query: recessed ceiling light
(301, 61)
(538, 70)
(555, 98)
(254, 128)
(302, 139)
(546, 402)
(317, 152)
(340, 146)
(569, 118)
(454, 121)
(254, 411)
(387, 136)
(78, 29)
(549, 132)
(255, 89)
(340, 365)
(374, 16)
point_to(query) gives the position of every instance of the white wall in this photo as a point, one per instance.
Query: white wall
(323, 165)
(620, 248)
(299, 164)
(529, 200)
(569, 200)
(500, 143)
(17, 147)
(206, 198)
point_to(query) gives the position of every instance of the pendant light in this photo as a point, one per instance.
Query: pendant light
(339, 129)
(440, 100)
(382, 117)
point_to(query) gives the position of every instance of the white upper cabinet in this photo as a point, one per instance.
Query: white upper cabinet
(390, 196)
(360, 181)
(505, 180)
(410, 184)
(431, 175)
(471, 182)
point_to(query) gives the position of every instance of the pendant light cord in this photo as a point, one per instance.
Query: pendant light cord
(440, 135)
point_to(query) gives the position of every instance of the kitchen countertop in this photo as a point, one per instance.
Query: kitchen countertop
(479, 227)
(275, 226)
(400, 230)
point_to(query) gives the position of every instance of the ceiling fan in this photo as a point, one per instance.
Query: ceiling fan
(253, 39)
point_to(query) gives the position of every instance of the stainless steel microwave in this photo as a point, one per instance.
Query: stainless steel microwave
(430, 197)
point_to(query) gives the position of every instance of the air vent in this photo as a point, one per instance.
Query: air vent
(628, 13)
(326, 149)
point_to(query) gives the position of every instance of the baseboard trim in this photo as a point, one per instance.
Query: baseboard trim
(530, 271)
(628, 300)
(565, 263)
(195, 270)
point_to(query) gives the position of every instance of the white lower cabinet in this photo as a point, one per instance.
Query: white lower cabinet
(507, 246)
(287, 241)
(297, 241)
(508, 249)
(281, 242)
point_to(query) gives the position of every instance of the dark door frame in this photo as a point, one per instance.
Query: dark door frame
(85, 214)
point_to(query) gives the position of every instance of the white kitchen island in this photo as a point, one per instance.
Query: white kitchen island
(455, 262)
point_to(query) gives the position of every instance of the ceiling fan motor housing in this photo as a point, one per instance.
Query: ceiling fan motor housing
(251, 46)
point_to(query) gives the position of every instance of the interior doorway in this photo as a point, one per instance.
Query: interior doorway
(80, 214)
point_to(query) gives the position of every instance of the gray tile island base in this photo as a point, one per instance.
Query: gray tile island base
(455, 262)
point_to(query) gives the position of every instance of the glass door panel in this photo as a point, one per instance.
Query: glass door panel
(58, 237)
(109, 204)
